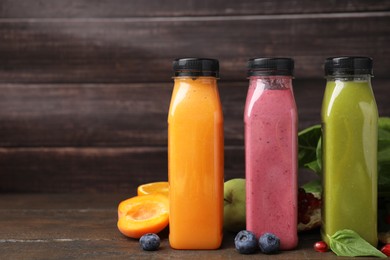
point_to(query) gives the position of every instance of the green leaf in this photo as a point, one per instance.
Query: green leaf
(307, 145)
(313, 166)
(384, 123)
(347, 242)
(313, 187)
(384, 154)
(384, 179)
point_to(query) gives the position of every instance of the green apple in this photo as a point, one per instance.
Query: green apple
(234, 215)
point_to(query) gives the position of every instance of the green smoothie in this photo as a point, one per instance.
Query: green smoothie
(349, 116)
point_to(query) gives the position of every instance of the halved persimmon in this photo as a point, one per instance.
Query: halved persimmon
(140, 215)
(161, 187)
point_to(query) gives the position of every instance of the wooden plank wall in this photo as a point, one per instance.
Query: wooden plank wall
(85, 85)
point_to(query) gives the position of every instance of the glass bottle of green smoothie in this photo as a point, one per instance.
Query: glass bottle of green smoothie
(349, 149)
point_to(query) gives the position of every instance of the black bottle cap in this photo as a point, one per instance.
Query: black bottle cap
(195, 67)
(270, 67)
(340, 66)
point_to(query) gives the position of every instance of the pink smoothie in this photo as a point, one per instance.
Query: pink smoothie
(271, 160)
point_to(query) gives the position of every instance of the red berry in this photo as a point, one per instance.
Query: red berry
(321, 246)
(386, 249)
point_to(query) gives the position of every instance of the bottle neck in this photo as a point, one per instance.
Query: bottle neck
(198, 80)
(271, 82)
(355, 78)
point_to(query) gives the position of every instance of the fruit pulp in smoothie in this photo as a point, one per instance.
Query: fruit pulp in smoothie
(271, 163)
(195, 161)
(349, 116)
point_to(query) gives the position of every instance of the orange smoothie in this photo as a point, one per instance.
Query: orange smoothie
(195, 164)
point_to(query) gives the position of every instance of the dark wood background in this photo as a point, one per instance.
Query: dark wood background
(85, 85)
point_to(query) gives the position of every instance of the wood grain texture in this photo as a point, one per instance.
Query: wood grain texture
(54, 228)
(84, 115)
(153, 8)
(94, 138)
(59, 170)
(99, 162)
(129, 115)
(142, 49)
(85, 85)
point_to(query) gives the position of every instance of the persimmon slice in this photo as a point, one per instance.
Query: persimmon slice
(161, 187)
(140, 215)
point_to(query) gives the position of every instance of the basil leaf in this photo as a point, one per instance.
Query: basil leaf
(307, 146)
(347, 242)
(313, 166)
(314, 187)
(384, 123)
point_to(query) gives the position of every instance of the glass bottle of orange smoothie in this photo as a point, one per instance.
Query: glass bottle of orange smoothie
(195, 156)
(349, 145)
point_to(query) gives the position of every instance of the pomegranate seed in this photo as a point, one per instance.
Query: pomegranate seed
(321, 246)
(386, 249)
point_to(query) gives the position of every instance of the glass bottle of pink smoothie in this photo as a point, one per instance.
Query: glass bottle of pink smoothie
(271, 150)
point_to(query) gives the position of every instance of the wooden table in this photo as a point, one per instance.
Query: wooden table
(83, 226)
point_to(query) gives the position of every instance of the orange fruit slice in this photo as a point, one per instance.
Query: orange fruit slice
(161, 187)
(143, 214)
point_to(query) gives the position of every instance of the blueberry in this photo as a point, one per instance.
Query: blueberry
(150, 242)
(269, 243)
(245, 242)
